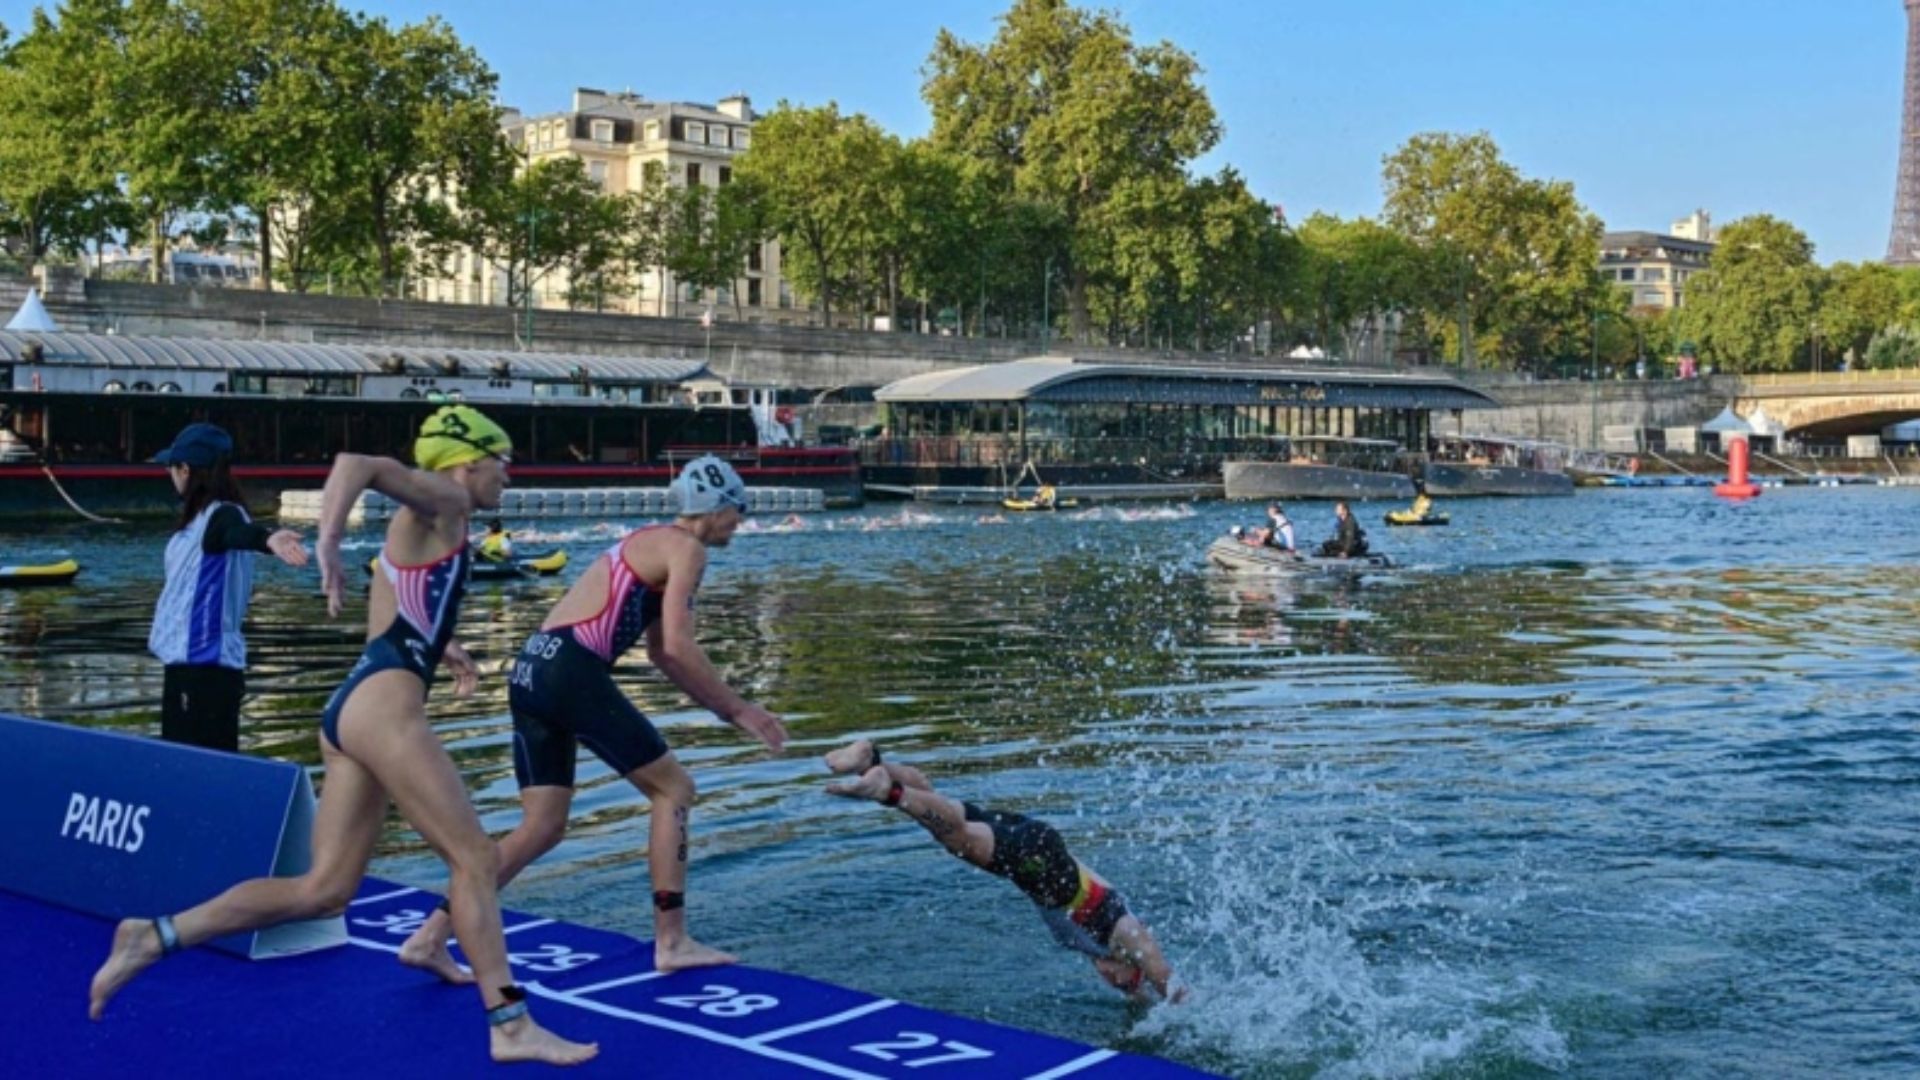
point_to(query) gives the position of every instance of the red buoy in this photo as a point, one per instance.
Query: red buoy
(1737, 486)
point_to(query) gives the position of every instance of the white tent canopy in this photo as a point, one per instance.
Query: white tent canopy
(33, 316)
(1765, 425)
(1727, 422)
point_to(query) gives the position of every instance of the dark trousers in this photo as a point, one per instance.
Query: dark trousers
(200, 705)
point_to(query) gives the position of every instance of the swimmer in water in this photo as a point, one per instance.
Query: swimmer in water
(1085, 913)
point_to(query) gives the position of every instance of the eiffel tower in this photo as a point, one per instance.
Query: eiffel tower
(1903, 249)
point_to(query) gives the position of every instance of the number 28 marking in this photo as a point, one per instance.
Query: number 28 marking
(722, 1001)
(920, 1040)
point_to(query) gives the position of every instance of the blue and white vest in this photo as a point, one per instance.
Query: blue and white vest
(205, 600)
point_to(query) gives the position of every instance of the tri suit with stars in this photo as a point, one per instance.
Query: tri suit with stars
(426, 607)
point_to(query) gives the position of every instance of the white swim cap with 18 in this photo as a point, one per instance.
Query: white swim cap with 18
(706, 484)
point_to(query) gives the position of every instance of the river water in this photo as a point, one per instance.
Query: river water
(1620, 784)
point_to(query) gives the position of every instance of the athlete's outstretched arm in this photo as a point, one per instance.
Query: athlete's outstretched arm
(672, 648)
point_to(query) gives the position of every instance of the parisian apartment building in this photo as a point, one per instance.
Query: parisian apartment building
(1653, 268)
(618, 136)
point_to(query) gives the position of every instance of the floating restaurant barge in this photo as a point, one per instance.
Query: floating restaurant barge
(1138, 430)
(90, 410)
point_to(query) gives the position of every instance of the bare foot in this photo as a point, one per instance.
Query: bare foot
(524, 1040)
(688, 953)
(873, 784)
(855, 757)
(426, 951)
(136, 945)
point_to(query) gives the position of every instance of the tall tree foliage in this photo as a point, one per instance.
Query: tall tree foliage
(57, 189)
(280, 159)
(547, 218)
(1754, 309)
(1075, 116)
(1511, 262)
(821, 174)
(710, 231)
(419, 105)
(1857, 302)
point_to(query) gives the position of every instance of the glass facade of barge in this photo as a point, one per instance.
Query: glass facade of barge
(1168, 424)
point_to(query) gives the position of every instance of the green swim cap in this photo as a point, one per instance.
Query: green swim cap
(458, 435)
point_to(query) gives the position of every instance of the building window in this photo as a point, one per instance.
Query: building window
(741, 138)
(693, 174)
(1654, 273)
(755, 260)
(603, 131)
(597, 172)
(717, 135)
(786, 294)
(1626, 273)
(726, 176)
(696, 132)
(753, 292)
(653, 130)
(1653, 299)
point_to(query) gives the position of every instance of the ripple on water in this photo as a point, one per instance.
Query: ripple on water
(1624, 791)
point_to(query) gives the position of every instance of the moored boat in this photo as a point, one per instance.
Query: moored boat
(1322, 467)
(1495, 465)
(84, 414)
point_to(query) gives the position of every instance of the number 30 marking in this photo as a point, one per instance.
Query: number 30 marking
(920, 1040)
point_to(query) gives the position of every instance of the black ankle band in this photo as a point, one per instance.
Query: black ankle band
(894, 794)
(445, 904)
(669, 901)
(512, 1007)
(169, 937)
(875, 747)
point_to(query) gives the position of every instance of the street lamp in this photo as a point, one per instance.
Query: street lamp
(1046, 313)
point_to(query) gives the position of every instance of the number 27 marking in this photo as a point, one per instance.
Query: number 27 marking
(920, 1040)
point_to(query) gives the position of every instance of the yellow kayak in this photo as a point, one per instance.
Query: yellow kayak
(45, 574)
(1408, 517)
(1035, 505)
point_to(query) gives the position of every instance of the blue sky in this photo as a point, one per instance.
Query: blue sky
(1739, 106)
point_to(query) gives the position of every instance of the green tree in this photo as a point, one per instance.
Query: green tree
(1511, 263)
(155, 105)
(821, 175)
(1857, 301)
(550, 217)
(1894, 347)
(1071, 113)
(418, 104)
(709, 234)
(281, 159)
(1754, 309)
(1352, 274)
(57, 189)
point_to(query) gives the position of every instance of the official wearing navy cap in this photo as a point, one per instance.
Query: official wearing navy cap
(198, 445)
(209, 582)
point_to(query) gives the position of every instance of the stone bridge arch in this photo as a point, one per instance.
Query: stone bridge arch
(1841, 403)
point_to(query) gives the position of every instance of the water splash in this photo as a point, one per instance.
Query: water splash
(1320, 948)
